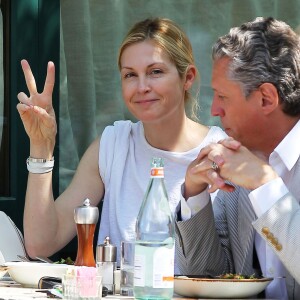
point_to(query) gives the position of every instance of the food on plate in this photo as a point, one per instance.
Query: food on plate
(237, 276)
(67, 261)
(232, 286)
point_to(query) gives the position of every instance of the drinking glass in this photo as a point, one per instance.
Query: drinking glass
(82, 287)
(127, 268)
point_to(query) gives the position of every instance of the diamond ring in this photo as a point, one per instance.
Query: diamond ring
(214, 166)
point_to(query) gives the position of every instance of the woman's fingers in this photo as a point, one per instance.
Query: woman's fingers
(29, 78)
(22, 108)
(36, 111)
(50, 79)
(22, 97)
(44, 99)
(43, 115)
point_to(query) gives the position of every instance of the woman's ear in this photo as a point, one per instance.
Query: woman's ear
(270, 97)
(190, 76)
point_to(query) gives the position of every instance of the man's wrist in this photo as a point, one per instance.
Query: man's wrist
(268, 175)
(188, 192)
(191, 206)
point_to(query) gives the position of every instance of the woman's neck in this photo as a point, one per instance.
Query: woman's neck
(180, 136)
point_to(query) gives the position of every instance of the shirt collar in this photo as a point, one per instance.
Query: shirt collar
(289, 148)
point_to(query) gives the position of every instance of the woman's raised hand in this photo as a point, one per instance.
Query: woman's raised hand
(36, 111)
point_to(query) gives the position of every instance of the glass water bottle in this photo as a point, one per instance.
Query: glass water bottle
(154, 251)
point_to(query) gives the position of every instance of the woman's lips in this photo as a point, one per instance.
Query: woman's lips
(146, 102)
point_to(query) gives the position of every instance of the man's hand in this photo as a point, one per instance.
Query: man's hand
(200, 173)
(239, 166)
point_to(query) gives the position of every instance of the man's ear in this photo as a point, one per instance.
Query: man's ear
(190, 76)
(270, 97)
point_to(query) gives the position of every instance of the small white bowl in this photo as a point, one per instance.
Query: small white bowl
(28, 274)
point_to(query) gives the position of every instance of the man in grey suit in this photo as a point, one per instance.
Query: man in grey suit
(253, 224)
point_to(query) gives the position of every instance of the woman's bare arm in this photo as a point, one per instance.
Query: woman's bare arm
(49, 225)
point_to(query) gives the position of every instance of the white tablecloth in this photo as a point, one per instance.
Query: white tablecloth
(20, 293)
(14, 291)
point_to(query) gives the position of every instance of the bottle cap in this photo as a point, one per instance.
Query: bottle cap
(106, 252)
(86, 214)
(157, 162)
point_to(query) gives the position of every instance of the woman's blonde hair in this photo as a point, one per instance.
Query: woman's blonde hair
(172, 39)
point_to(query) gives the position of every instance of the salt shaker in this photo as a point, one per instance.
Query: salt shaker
(106, 257)
(86, 218)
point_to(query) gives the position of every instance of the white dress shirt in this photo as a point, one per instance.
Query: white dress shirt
(282, 159)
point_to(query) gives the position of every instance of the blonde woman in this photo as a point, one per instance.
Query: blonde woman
(157, 71)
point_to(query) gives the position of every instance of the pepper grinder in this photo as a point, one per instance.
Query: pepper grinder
(106, 256)
(86, 218)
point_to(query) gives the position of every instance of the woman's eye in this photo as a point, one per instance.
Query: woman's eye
(128, 75)
(221, 97)
(156, 72)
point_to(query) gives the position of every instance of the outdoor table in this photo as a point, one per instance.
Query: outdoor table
(21, 293)
(10, 290)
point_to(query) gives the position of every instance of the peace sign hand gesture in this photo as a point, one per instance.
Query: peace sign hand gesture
(36, 111)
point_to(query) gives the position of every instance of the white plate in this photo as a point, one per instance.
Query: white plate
(219, 288)
(11, 239)
(29, 273)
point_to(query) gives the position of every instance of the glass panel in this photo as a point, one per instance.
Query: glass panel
(4, 145)
(90, 91)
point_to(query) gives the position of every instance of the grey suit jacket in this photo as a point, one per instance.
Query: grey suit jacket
(220, 239)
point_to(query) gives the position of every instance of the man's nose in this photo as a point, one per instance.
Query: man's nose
(216, 110)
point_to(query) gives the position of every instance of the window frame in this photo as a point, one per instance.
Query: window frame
(32, 31)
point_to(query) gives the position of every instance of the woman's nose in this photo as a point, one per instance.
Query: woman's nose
(143, 85)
